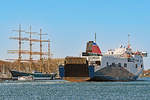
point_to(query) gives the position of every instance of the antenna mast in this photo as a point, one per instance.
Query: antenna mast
(95, 37)
(128, 40)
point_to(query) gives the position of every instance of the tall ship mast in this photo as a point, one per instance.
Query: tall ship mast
(30, 52)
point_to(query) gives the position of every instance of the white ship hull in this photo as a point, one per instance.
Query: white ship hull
(114, 74)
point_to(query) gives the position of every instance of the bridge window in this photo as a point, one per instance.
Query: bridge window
(125, 65)
(119, 64)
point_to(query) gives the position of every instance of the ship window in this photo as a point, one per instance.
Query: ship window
(136, 66)
(113, 64)
(128, 59)
(141, 66)
(107, 63)
(119, 64)
(125, 65)
(98, 62)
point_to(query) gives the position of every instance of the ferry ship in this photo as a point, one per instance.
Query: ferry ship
(120, 64)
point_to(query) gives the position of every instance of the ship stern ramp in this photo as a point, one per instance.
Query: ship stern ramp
(76, 69)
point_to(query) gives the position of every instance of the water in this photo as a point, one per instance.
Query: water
(61, 90)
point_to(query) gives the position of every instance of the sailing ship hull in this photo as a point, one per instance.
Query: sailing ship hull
(36, 76)
(16, 74)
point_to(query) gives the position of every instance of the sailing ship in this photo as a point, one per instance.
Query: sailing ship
(35, 74)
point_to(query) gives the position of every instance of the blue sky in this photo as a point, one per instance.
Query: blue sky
(70, 24)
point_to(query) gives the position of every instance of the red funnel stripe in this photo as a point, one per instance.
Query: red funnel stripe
(95, 49)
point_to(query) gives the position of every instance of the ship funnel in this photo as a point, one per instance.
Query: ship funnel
(92, 49)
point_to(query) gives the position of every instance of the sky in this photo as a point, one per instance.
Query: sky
(71, 23)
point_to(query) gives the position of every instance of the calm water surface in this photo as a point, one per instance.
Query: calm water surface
(61, 90)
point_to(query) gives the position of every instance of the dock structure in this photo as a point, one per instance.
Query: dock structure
(30, 52)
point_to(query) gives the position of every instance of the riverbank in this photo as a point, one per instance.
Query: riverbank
(48, 66)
